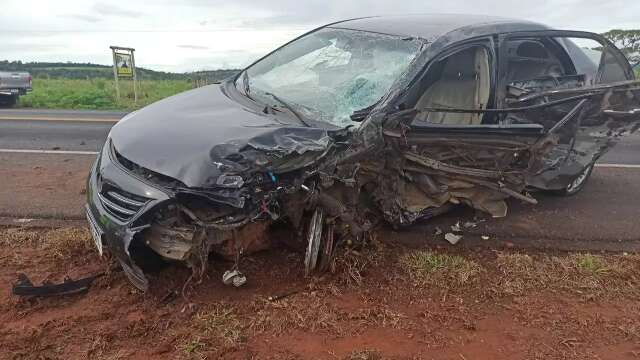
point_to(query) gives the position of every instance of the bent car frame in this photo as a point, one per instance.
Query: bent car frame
(395, 118)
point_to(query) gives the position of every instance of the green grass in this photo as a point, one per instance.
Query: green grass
(591, 263)
(98, 94)
(440, 268)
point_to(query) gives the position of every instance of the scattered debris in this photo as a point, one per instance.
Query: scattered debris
(456, 227)
(452, 238)
(484, 237)
(22, 221)
(282, 296)
(169, 297)
(234, 277)
(24, 287)
(438, 231)
(472, 224)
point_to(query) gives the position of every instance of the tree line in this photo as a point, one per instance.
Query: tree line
(69, 70)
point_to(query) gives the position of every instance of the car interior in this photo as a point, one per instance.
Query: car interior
(461, 80)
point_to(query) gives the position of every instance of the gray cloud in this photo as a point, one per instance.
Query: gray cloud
(87, 18)
(593, 15)
(194, 47)
(113, 10)
(222, 33)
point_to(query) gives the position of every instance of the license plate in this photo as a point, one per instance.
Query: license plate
(96, 232)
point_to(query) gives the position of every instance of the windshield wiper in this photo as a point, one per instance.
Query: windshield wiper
(288, 107)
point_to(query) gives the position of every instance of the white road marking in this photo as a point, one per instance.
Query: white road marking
(72, 152)
(65, 119)
(622, 166)
(61, 152)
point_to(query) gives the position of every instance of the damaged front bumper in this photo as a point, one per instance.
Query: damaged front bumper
(140, 221)
(118, 224)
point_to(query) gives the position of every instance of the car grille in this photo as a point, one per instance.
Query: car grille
(119, 203)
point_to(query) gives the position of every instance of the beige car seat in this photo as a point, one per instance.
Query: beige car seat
(464, 83)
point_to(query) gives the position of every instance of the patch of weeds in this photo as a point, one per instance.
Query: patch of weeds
(591, 264)
(193, 347)
(59, 243)
(221, 323)
(379, 316)
(518, 273)
(305, 311)
(14, 237)
(587, 275)
(440, 269)
(65, 242)
(366, 354)
(351, 265)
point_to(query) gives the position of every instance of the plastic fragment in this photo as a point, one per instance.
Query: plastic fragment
(234, 277)
(452, 238)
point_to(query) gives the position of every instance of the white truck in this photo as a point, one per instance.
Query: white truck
(12, 85)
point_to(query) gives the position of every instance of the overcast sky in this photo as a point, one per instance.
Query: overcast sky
(188, 35)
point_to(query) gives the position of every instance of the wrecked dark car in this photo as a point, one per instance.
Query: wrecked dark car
(393, 118)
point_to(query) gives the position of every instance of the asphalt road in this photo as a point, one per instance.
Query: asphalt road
(55, 130)
(65, 130)
(45, 156)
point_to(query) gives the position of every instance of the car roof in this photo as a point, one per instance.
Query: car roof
(432, 27)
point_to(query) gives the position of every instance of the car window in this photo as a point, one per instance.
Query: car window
(612, 70)
(585, 54)
(332, 73)
(461, 80)
(543, 63)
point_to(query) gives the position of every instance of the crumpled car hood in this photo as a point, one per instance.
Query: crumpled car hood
(197, 135)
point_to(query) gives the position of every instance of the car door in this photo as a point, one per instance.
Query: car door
(448, 147)
(539, 126)
(578, 86)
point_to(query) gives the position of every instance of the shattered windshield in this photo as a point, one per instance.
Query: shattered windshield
(331, 73)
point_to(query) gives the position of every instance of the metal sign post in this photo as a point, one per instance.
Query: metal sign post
(124, 66)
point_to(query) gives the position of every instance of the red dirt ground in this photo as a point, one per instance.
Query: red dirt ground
(388, 314)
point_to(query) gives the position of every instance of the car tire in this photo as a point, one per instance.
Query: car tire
(577, 184)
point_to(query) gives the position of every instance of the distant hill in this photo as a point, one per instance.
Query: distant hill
(70, 70)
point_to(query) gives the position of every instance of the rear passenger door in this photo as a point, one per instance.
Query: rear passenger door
(578, 86)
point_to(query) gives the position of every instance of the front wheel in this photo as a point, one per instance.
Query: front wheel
(320, 243)
(576, 184)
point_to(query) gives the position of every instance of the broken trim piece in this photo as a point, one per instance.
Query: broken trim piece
(24, 287)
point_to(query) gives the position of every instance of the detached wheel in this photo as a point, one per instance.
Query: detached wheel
(577, 184)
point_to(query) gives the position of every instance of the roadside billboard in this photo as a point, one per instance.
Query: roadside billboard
(124, 66)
